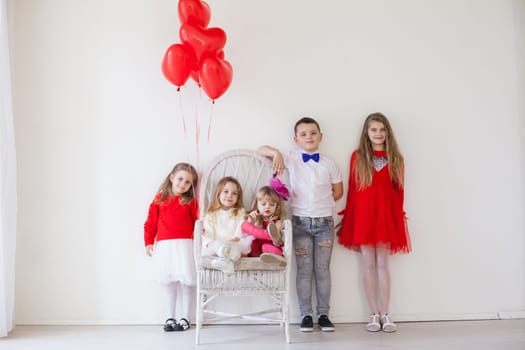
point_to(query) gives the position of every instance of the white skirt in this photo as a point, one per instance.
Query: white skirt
(174, 261)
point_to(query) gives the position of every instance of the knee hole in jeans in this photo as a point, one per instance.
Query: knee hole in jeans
(300, 251)
(325, 244)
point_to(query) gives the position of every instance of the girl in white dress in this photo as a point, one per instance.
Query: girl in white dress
(222, 226)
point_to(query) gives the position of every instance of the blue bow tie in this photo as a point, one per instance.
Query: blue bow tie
(314, 157)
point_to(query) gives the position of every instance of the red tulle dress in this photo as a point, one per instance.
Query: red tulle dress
(374, 216)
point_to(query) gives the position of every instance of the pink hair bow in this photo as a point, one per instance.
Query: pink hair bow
(279, 188)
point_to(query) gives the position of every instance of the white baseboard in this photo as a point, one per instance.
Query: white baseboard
(507, 315)
(23, 322)
(399, 317)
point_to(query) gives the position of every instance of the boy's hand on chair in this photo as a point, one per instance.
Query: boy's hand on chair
(278, 163)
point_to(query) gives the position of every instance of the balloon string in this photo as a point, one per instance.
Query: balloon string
(209, 125)
(197, 127)
(183, 123)
(183, 119)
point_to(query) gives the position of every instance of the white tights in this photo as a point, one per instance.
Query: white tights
(186, 299)
(376, 278)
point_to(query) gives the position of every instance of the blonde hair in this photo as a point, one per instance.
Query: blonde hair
(165, 188)
(364, 165)
(216, 203)
(267, 191)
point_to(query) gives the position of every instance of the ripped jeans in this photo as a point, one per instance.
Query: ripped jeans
(313, 242)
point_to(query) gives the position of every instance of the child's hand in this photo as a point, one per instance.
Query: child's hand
(149, 250)
(337, 228)
(253, 215)
(235, 239)
(278, 163)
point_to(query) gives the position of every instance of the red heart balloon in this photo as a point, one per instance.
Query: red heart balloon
(195, 76)
(215, 76)
(195, 73)
(194, 12)
(178, 62)
(207, 41)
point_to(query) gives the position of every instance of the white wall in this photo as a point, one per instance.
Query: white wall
(98, 128)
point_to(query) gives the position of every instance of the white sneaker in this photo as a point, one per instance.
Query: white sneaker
(274, 233)
(273, 259)
(224, 250)
(387, 324)
(234, 254)
(373, 325)
(225, 265)
(229, 252)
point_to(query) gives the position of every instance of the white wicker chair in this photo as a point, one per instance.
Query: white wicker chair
(251, 276)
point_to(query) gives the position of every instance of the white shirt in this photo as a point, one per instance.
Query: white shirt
(311, 184)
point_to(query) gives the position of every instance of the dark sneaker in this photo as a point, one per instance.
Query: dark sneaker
(183, 324)
(325, 324)
(171, 325)
(307, 324)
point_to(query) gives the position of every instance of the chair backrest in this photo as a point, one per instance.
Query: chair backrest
(250, 168)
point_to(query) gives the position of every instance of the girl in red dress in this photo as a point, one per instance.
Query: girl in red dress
(374, 221)
(168, 237)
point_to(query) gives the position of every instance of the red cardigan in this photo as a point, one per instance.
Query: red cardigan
(170, 220)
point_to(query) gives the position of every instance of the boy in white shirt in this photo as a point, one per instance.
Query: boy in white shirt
(316, 184)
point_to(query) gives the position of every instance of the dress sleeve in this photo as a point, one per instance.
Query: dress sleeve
(151, 224)
(238, 223)
(194, 210)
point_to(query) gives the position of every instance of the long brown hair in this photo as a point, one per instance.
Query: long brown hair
(216, 203)
(364, 165)
(267, 191)
(166, 191)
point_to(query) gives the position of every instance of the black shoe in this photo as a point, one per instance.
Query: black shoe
(183, 324)
(325, 324)
(171, 325)
(307, 324)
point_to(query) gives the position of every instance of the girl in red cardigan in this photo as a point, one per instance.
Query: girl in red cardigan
(168, 236)
(374, 221)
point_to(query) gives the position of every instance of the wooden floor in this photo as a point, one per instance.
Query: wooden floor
(456, 335)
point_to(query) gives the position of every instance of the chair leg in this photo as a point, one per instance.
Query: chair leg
(198, 316)
(286, 315)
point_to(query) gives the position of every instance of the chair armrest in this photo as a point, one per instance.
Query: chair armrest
(197, 243)
(288, 242)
